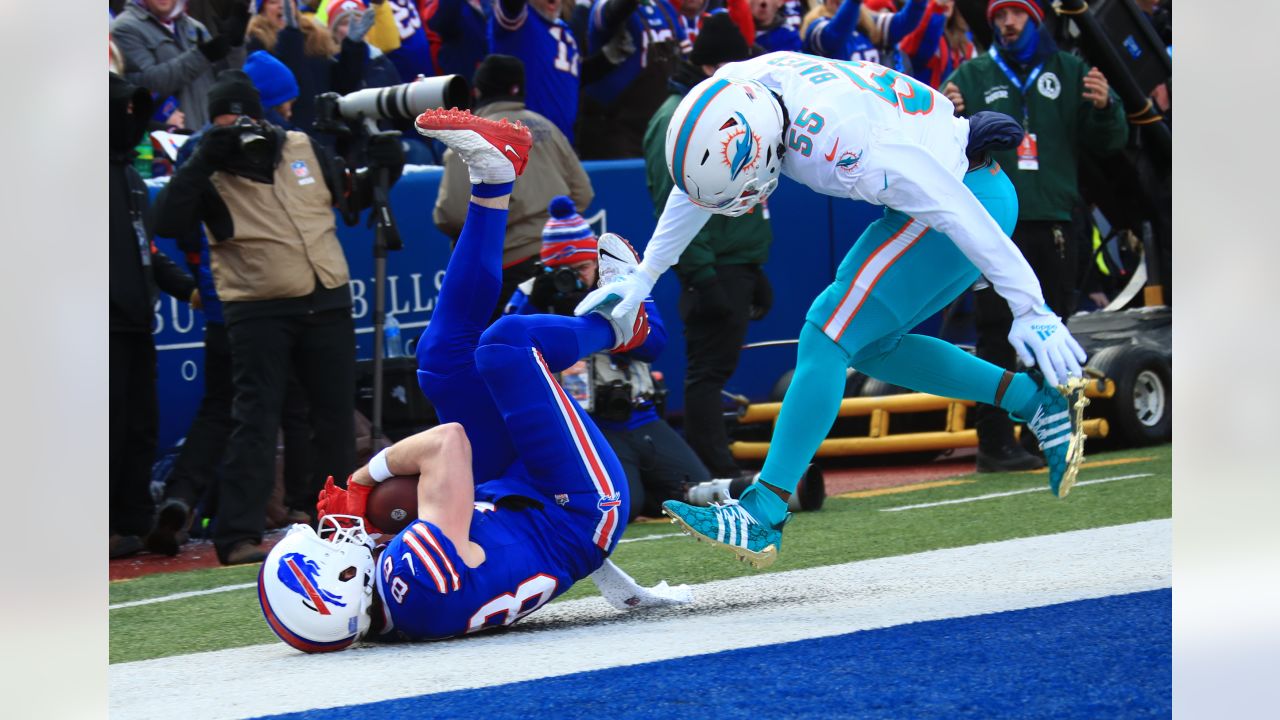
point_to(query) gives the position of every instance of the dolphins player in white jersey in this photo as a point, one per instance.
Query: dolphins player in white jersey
(858, 130)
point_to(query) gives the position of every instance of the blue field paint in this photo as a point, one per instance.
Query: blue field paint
(1108, 657)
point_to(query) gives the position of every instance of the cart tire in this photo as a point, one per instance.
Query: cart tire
(1141, 411)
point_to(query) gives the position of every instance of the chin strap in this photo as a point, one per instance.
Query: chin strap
(786, 122)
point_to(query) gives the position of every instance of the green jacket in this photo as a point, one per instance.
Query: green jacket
(1062, 121)
(724, 240)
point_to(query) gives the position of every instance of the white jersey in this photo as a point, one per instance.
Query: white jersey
(863, 131)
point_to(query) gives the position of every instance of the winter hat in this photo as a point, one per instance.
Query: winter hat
(274, 80)
(566, 238)
(500, 77)
(1030, 7)
(338, 9)
(233, 93)
(718, 41)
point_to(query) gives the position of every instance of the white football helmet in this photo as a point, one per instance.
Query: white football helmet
(724, 144)
(315, 590)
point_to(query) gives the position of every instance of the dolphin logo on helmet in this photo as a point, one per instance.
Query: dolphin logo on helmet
(744, 153)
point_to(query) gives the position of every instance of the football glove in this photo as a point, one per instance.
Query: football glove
(351, 501)
(629, 291)
(1042, 340)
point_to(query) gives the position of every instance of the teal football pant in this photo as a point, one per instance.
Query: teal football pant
(896, 275)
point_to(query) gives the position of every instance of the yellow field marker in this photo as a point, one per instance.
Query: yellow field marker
(903, 489)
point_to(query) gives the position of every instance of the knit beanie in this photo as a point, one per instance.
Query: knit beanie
(233, 93)
(500, 77)
(338, 9)
(566, 238)
(275, 82)
(1028, 6)
(718, 41)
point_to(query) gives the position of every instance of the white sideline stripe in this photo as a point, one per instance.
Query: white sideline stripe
(1011, 492)
(182, 595)
(587, 634)
(246, 586)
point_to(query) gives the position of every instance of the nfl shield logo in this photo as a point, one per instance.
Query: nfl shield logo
(300, 168)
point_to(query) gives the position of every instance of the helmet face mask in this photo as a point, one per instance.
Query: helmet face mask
(316, 589)
(724, 145)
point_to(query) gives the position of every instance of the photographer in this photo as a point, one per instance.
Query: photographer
(266, 199)
(658, 463)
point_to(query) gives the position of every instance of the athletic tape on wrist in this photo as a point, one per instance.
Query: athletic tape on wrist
(378, 469)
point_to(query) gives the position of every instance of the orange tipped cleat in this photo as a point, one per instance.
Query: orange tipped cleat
(495, 151)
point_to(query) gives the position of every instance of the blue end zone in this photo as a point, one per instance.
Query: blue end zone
(1109, 658)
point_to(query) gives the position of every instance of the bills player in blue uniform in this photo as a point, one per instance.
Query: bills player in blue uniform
(519, 495)
(549, 51)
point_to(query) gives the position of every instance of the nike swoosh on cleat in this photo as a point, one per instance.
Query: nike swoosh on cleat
(513, 152)
(606, 253)
(832, 155)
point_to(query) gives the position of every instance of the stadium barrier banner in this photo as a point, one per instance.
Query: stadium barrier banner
(811, 235)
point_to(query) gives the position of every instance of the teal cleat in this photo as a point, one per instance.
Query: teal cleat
(729, 526)
(1058, 423)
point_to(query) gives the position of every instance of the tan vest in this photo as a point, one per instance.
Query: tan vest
(285, 235)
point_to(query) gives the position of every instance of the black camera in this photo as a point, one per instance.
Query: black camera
(254, 144)
(566, 280)
(613, 401)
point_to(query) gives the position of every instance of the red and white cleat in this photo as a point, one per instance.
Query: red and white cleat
(495, 151)
(617, 259)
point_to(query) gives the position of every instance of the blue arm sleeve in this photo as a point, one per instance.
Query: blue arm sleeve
(906, 20)
(835, 35)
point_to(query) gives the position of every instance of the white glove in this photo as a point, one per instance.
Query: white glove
(628, 290)
(1042, 340)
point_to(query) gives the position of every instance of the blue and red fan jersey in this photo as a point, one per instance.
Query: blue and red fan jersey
(550, 55)
(654, 22)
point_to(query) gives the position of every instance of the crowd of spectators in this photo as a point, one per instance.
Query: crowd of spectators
(593, 79)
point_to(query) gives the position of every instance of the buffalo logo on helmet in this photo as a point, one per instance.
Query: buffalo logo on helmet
(744, 145)
(299, 574)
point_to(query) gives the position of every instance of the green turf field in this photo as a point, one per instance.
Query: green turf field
(845, 530)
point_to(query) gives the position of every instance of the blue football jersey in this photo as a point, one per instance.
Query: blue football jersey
(453, 28)
(653, 22)
(413, 57)
(534, 552)
(779, 39)
(854, 46)
(550, 55)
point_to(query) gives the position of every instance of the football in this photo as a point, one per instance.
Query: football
(393, 503)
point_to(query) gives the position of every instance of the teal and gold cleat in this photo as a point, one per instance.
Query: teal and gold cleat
(729, 526)
(1058, 423)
